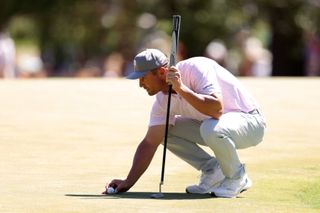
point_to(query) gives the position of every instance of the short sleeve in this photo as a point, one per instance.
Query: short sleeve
(159, 111)
(201, 77)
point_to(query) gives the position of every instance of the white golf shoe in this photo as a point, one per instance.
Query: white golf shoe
(208, 182)
(230, 188)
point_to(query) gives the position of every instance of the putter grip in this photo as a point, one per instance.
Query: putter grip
(175, 39)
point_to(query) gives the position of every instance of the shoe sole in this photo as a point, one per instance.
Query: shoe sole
(207, 192)
(245, 188)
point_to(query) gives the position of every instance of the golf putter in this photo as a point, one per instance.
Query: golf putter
(174, 48)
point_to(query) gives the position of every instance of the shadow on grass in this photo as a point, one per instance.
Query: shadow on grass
(143, 195)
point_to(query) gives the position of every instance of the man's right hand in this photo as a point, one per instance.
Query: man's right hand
(118, 185)
(141, 160)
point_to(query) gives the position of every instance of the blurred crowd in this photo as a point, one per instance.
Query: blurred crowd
(248, 57)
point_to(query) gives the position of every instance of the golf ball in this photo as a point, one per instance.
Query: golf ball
(111, 190)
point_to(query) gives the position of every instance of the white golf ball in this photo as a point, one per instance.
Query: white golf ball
(111, 190)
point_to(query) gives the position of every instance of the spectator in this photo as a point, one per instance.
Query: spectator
(113, 65)
(257, 59)
(7, 56)
(217, 51)
(312, 55)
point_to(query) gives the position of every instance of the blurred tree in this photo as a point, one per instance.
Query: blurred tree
(71, 35)
(287, 42)
(74, 34)
(9, 8)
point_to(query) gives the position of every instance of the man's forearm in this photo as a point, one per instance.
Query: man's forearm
(206, 104)
(141, 161)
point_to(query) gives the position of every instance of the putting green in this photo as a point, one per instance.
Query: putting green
(62, 139)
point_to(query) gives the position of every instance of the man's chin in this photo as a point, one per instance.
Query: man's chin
(151, 93)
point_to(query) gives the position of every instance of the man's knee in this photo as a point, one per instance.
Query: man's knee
(210, 129)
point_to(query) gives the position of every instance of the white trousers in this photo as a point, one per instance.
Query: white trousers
(234, 130)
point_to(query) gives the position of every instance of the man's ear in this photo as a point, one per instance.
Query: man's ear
(162, 71)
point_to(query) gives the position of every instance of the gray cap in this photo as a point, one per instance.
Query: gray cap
(146, 61)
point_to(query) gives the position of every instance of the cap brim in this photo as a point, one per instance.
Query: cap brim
(136, 75)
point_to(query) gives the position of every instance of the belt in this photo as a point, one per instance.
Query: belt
(253, 112)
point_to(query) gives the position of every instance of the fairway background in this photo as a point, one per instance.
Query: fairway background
(61, 140)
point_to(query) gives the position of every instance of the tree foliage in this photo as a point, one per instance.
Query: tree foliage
(72, 32)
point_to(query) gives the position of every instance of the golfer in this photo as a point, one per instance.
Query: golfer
(209, 107)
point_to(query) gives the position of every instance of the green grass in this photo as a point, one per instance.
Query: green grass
(70, 137)
(310, 194)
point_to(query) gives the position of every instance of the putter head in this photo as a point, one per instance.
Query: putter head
(157, 195)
